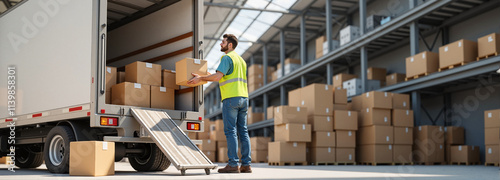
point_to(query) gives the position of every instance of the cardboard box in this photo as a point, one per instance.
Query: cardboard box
(354, 86)
(339, 96)
(345, 120)
(294, 97)
(219, 125)
(345, 155)
(111, 77)
(371, 116)
(185, 67)
(491, 136)
(143, 73)
(423, 63)
(204, 135)
(402, 118)
(345, 139)
(319, 45)
(5, 160)
(376, 99)
(259, 156)
(270, 112)
(254, 117)
(260, 143)
(321, 123)
(394, 79)
(375, 135)
(290, 114)
(258, 79)
(162, 97)
(131, 94)
(206, 125)
(120, 77)
(435, 134)
(454, 135)
(357, 103)
(210, 155)
(448, 153)
(492, 118)
(402, 154)
(488, 45)
(348, 34)
(374, 73)
(465, 154)
(221, 144)
(287, 152)
(317, 98)
(208, 145)
(340, 107)
(292, 132)
(288, 61)
(461, 51)
(108, 97)
(400, 101)
(428, 150)
(375, 153)
(323, 139)
(403, 135)
(492, 154)
(92, 158)
(192, 135)
(222, 155)
(217, 136)
(168, 79)
(339, 79)
(256, 69)
(252, 88)
(322, 154)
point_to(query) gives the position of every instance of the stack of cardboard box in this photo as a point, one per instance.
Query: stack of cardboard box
(345, 125)
(379, 74)
(488, 46)
(254, 115)
(492, 136)
(421, 64)
(457, 53)
(322, 46)
(428, 147)
(454, 136)
(402, 121)
(290, 65)
(339, 79)
(256, 76)
(270, 112)
(291, 133)
(375, 133)
(394, 78)
(218, 137)
(208, 146)
(260, 146)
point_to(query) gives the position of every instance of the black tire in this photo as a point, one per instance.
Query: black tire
(57, 160)
(27, 158)
(153, 159)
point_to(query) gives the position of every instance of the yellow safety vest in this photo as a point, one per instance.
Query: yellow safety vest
(234, 84)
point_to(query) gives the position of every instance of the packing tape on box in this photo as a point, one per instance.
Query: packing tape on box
(326, 87)
(490, 39)
(209, 141)
(329, 150)
(328, 133)
(350, 156)
(368, 71)
(460, 148)
(350, 133)
(303, 127)
(108, 69)
(337, 77)
(278, 109)
(411, 59)
(294, 144)
(390, 147)
(104, 145)
(172, 71)
(385, 94)
(385, 119)
(163, 89)
(298, 109)
(367, 109)
(440, 128)
(445, 129)
(406, 130)
(367, 94)
(149, 65)
(489, 151)
(197, 61)
(489, 115)
(420, 128)
(387, 138)
(302, 103)
(407, 112)
(349, 113)
(286, 126)
(446, 49)
(208, 152)
(328, 118)
(440, 146)
(392, 76)
(137, 85)
(459, 44)
(327, 110)
(404, 104)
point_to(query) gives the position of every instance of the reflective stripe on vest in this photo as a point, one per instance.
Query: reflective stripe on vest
(234, 84)
(233, 80)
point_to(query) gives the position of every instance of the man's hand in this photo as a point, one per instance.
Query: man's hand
(196, 79)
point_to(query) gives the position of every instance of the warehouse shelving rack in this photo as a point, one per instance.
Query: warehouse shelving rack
(421, 20)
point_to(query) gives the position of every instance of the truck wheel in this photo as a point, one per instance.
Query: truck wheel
(56, 149)
(153, 159)
(26, 158)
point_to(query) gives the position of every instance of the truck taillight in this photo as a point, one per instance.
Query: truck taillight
(200, 118)
(109, 121)
(193, 126)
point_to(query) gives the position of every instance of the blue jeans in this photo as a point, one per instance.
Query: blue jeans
(234, 114)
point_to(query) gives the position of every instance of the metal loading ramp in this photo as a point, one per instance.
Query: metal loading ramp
(174, 143)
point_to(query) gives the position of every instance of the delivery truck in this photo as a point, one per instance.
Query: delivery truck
(54, 56)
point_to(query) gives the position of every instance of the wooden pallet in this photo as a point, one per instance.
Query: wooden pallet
(323, 163)
(451, 67)
(417, 76)
(402, 163)
(465, 163)
(430, 163)
(487, 56)
(259, 161)
(491, 164)
(287, 163)
(375, 163)
(345, 163)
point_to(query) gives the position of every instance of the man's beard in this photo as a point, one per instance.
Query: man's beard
(224, 49)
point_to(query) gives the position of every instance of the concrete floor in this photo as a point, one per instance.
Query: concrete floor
(263, 171)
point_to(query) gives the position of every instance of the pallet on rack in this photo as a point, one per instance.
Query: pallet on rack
(322, 163)
(402, 163)
(465, 163)
(430, 163)
(416, 76)
(451, 66)
(303, 163)
(487, 56)
(345, 163)
(491, 164)
(375, 163)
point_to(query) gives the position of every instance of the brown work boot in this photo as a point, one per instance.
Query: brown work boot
(229, 169)
(246, 169)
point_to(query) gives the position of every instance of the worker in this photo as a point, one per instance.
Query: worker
(232, 77)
